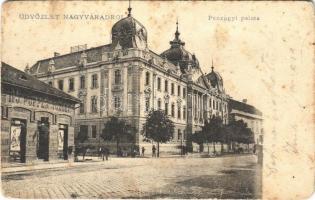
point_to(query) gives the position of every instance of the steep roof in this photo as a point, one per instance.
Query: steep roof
(237, 105)
(68, 60)
(15, 77)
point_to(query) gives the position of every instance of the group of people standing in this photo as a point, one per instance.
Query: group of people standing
(153, 151)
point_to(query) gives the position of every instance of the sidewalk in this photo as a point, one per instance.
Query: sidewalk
(20, 167)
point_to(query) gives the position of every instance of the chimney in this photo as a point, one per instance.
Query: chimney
(244, 100)
(56, 54)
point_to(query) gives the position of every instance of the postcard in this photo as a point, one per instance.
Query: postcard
(157, 99)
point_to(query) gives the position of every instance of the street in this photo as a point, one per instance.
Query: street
(221, 177)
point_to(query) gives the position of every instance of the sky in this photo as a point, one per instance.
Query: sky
(242, 43)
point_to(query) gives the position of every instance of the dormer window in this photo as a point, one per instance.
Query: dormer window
(23, 77)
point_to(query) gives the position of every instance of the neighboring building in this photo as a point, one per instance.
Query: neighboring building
(37, 120)
(127, 79)
(250, 115)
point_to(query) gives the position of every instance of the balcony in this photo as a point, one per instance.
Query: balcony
(117, 87)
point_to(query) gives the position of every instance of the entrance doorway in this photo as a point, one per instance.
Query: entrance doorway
(63, 141)
(18, 140)
(43, 139)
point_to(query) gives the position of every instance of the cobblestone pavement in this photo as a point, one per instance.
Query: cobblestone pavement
(223, 177)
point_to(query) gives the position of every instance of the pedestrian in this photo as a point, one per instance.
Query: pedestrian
(142, 151)
(100, 152)
(153, 151)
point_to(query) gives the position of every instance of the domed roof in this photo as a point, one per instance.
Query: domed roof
(177, 54)
(215, 80)
(129, 33)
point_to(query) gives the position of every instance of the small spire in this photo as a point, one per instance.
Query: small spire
(129, 9)
(177, 32)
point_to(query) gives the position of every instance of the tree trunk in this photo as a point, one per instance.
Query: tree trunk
(201, 148)
(117, 147)
(233, 147)
(222, 148)
(208, 148)
(158, 149)
(214, 147)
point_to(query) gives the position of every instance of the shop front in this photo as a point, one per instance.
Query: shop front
(36, 120)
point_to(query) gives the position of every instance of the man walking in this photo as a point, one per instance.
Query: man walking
(153, 151)
(142, 151)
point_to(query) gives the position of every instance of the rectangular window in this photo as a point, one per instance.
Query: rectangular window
(166, 86)
(60, 84)
(93, 131)
(179, 134)
(184, 93)
(94, 104)
(84, 130)
(179, 113)
(178, 90)
(184, 113)
(147, 104)
(159, 104)
(172, 88)
(166, 108)
(117, 102)
(94, 81)
(82, 109)
(117, 77)
(147, 78)
(82, 82)
(173, 110)
(71, 84)
(159, 83)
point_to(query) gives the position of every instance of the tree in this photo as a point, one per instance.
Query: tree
(199, 138)
(228, 135)
(117, 129)
(213, 130)
(237, 131)
(158, 127)
(248, 137)
(81, 137)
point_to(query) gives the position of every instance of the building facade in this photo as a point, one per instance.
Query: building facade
(250, 115)
(37, 121)
(127, 79)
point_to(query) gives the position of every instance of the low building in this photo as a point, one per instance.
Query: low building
(250, 115)
(37, 120)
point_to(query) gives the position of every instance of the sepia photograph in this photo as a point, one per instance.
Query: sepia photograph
(157, 99)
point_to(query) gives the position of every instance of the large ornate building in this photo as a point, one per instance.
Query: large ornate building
(126, 78)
